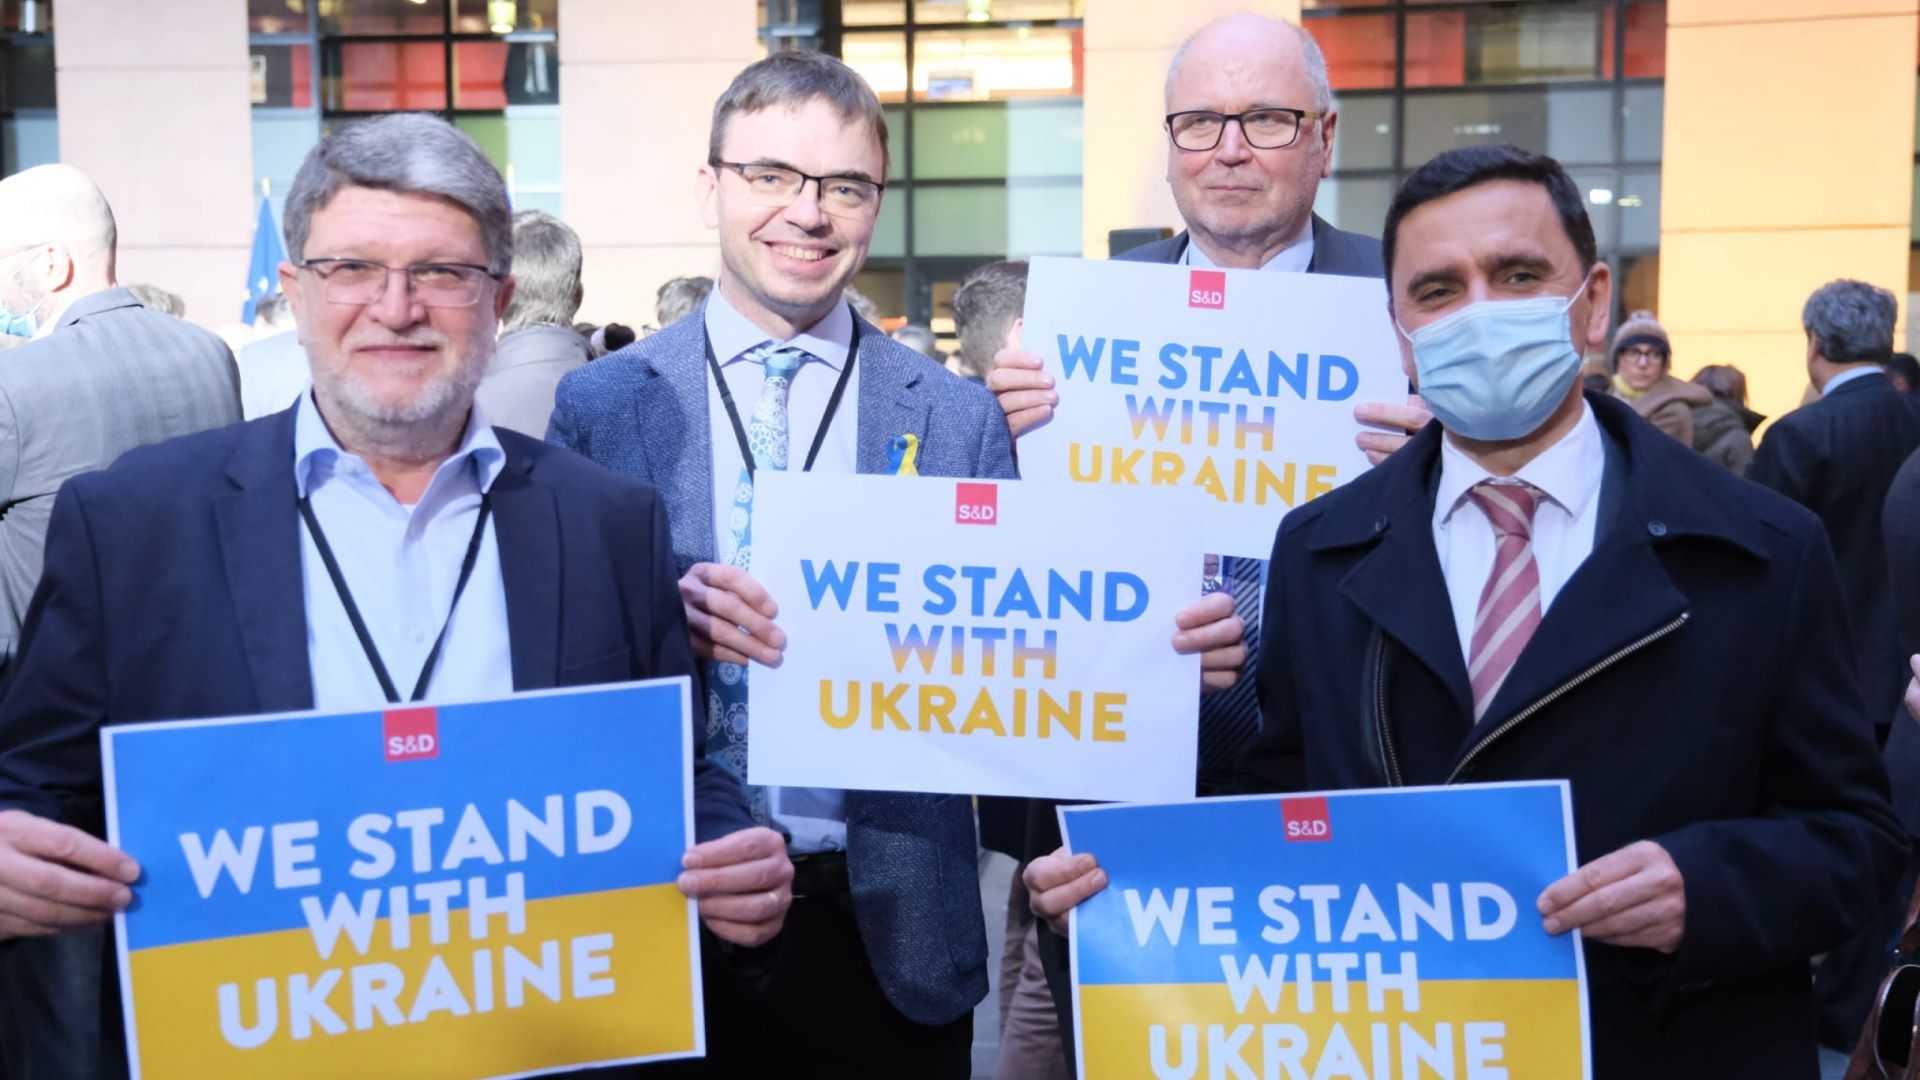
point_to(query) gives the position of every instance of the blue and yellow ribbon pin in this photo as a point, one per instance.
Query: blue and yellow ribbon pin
(902, 450)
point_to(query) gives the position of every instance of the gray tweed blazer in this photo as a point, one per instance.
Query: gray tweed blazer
(643, 412)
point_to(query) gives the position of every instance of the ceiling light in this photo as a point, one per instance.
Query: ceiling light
(501, 15)
(1600, 196)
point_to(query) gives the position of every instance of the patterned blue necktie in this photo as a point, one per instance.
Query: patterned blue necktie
(727, 683)
(1231, 718)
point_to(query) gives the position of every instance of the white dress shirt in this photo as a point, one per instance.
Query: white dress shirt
(1848, 376)
(1568, 474)
(400, 564)
(1295, 257)
(816, 817)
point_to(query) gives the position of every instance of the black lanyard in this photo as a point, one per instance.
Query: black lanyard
(826, 419)
(360, 624)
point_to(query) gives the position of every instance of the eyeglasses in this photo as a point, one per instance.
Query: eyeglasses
(356, 281)
(1642, 352)
(775, 185)
(1264, 129)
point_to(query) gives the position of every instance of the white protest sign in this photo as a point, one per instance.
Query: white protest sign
(1237, 383)
(987, 638)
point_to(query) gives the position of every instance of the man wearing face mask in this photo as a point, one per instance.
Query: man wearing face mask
(1545, 586)
(98, 376)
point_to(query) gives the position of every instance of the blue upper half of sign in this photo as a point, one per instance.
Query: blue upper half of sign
(1427, 857)
(173, 781)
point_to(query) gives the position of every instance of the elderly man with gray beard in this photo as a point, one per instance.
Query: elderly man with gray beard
(300, 561)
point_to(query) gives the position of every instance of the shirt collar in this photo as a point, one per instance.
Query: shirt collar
(1568, 473)
(316, 453)
(1845, 377)
(733, 335)
(1296, 256)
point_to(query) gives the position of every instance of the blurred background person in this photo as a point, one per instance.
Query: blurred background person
(155, 298)
(273, 367)
(986, 315)
(611, 338)
(921, 340)
(1903, 371)
(1838, 457)
(1723, 428)
(863, 305)
(1642, 375)
(677, 299)
(537, 341)
(101, 376)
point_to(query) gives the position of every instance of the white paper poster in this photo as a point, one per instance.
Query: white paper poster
(974, 637)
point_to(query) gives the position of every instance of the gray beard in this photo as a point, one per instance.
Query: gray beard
(420, 430)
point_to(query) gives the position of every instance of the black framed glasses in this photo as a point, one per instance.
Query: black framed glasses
(777, 185)
(1264, 129)
(357, 281)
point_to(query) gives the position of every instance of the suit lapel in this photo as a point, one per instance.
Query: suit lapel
(527, 525)
(260, 549)
(892, 402)
(678, 443)
(1400, 587)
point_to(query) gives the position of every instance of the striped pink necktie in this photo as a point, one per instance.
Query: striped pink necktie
(1509, 609)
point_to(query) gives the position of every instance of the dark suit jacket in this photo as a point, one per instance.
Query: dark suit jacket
(1692, 681)
(911, 859)
(1334, 252)
(1837, 457)
(1900, 521)
(173, 591)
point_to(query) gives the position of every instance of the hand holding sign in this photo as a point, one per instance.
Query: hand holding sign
(730, 615)
(743, 882)
(54, 877)
(1396, 424)
(1059, 882)
(1025, 392)
(1633, 897)
(1209, 627)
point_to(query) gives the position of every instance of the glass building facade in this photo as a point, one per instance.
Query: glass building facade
(492, 67)
(1582, 81)
(29, 124)
(983, 104)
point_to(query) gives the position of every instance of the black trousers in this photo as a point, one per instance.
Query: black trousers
(808, 1006)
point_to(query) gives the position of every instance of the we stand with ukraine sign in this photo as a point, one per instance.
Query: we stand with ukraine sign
(463, 891)
(1366, 935)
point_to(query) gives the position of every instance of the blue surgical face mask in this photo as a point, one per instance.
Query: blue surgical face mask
(20, 326)
(1495, 371)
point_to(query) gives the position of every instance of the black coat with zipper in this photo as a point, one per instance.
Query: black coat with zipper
(1693, 681)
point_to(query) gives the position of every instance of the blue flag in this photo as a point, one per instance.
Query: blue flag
(263, 269)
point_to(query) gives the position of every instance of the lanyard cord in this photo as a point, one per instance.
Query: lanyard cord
(360, 625)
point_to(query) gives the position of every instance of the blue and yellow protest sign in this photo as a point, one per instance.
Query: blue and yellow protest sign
(973, 637)
(1238, 384)
(1367, 935)
(475, 890)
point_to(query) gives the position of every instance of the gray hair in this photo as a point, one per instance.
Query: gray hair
(861, 304)
(984, 306)
(920, 339)
(155, 298)
(793, 78)
(679, 298)
(1851, 321)
(1316, 62)
(546, 272)
(409, 153)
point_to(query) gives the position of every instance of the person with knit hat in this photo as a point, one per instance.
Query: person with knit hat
(1642, 361)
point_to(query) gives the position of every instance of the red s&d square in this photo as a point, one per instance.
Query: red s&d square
(976, 504)
(411, 734)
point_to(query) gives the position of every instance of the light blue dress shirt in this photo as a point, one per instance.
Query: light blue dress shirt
(1846, 377)
(815, 817)
(401, 564)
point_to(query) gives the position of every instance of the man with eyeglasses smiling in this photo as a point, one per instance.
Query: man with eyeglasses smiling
(884, 953)
(377, 542)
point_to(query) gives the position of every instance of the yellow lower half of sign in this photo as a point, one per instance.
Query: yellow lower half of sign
(1530, 1028)
(592, 977)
